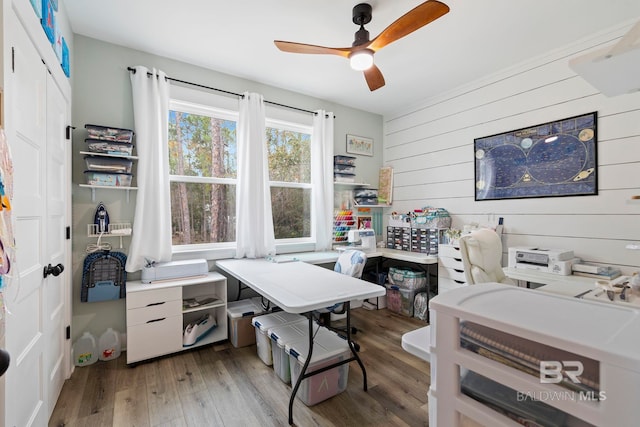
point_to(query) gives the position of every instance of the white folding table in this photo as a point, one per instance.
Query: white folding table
(299, 287)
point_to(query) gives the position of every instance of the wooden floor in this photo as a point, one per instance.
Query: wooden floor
(219, 385)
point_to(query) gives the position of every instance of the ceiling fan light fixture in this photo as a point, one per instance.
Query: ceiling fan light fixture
(361, 60)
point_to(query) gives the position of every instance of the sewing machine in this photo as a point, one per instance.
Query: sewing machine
(363, 239)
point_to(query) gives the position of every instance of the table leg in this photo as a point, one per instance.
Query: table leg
(353, 350)
(304, 368)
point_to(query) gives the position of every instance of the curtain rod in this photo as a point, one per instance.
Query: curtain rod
(133, 70)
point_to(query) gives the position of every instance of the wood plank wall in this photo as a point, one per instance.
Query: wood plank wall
(430, 147)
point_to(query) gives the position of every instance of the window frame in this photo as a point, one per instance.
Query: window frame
(203, 103)
(300, 128)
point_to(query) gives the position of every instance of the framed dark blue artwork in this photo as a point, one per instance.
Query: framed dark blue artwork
(552, 159)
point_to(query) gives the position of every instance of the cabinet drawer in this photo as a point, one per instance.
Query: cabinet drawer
(154, 339)
(453, 263)
(153, 296)
(445, 285)
(449, 251)
(453, 274)
(144, 315)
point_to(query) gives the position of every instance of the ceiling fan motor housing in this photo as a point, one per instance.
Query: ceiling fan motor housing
(361, 16)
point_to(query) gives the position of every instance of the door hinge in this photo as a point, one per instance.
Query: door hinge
(69, 129)
(13, 59)
(68, 332)
(68, 232)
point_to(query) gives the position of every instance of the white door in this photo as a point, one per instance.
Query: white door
(55, 285)
(36, 305)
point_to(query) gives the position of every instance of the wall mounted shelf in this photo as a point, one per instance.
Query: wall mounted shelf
(106, 187)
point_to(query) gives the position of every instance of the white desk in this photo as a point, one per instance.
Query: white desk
(553, 283)
(331, 256)
(300, 287)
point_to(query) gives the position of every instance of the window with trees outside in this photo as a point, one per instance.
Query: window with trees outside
(203, 176)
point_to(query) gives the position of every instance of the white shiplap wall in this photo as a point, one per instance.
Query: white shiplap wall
(431, 150)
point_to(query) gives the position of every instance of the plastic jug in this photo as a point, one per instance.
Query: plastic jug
(109, 344)
(85, 351)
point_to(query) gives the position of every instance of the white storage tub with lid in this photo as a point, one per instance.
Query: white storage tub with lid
(241, 314)
(328, 348)
(265, 322)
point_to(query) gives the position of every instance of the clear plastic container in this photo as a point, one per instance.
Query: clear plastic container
(328, 348)
(265, 322)
(108, 179)
(108, 164)
(85, 350)
(109, 345)
(280, 337)
(241, 331)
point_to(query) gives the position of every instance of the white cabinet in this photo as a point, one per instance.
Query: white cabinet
(450, 268)
(564, 330)
(158, 313)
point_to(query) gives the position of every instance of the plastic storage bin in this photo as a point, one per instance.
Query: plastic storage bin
(280, 337)
(109, 147)
(109, 133)
(109, 345)
(85, 350)
(344, 160)
(400, 300)
(108, 164)
(328, 348)
(263, 323)
(108, 179)
(344, 169)
(241, 313)
(407, 278)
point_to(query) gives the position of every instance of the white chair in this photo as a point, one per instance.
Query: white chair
(481, 253)
(350, 262)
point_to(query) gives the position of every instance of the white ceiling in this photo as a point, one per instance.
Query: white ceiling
(476, 38)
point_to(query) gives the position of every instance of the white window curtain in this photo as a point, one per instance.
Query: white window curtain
(255, 237)
(322, 177)
(151, 236)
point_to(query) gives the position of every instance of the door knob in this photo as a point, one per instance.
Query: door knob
(55, 270)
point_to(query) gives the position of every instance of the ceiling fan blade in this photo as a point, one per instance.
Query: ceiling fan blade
(416, 18)
(313, 49)
(374, 77)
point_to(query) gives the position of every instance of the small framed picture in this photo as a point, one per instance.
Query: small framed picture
(359, 145)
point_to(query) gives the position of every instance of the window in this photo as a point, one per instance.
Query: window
(203, 176)
(289, 148)
(202, 168)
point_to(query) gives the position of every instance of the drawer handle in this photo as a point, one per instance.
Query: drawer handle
(459, 281)
(156, 320)
(155, 303)
(458, 259)
(458, 271)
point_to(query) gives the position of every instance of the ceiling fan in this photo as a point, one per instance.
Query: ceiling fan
(361, 52)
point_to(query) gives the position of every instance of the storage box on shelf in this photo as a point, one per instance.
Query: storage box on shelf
(608, 362)
(108, 160)
(450, 268)
(344, 169)
(399, 238)
(158, 313)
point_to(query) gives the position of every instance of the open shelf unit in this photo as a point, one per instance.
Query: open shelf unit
(159, 312)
